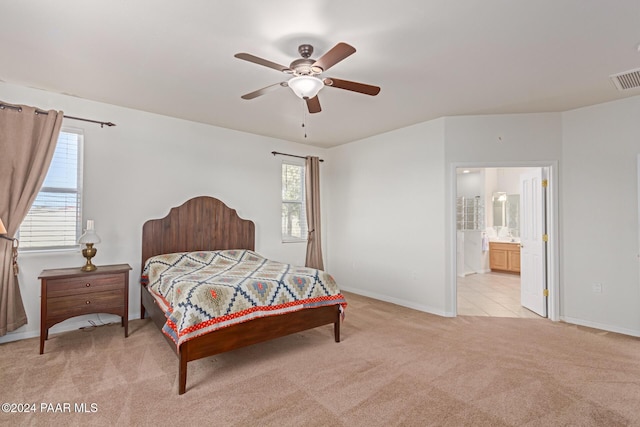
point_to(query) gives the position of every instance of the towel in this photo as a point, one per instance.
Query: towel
(485, 242)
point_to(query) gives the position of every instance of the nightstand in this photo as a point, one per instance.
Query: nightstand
(70, 292)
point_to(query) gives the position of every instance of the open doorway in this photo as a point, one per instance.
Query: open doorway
(502, 256)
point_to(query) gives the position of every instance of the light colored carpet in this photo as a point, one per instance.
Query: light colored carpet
(394, 366)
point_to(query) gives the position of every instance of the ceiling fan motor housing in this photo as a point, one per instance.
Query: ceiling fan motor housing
(304, 67)
(305, 50)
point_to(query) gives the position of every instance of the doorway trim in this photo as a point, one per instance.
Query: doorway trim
(553, 276)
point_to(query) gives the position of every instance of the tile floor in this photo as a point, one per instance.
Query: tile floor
(491, 294)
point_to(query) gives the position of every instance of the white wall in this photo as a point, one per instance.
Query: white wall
(141, 168)
(600, 215)
(388, 200)
(471, 185)
(595, 150)
(503, 139)
(377, 252)
(508, 179)
(386, 235)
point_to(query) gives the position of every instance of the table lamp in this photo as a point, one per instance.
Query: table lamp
(89, 238)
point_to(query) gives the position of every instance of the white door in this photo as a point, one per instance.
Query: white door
(533, 279)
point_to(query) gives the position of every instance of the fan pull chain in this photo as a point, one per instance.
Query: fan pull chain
(304, 117)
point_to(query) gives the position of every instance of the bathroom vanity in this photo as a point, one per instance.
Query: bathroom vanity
(504, 257)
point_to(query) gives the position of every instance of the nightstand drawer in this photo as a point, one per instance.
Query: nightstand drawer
(81, 285)
(84, 303)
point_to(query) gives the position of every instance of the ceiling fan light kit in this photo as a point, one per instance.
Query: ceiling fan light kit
(307, 82)
(306, 87)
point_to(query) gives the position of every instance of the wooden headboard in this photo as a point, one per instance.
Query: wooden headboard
(200, 224)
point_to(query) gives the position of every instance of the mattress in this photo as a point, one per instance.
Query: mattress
(200, 292)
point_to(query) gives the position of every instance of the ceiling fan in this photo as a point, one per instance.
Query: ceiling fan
(307, 81)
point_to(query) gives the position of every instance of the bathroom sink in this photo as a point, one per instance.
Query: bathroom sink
(505, 239)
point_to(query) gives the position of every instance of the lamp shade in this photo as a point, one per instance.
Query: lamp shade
(3, 230)
(305, 87)
(89, 236)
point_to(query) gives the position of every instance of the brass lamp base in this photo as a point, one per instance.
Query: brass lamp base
(89, 252)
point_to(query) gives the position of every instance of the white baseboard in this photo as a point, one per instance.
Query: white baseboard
(67, 325)
(397, 301)
(602, 326)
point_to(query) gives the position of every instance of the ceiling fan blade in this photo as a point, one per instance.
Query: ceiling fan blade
(313, 105)
(335, 55)
(260, 61)
(262, 91)
(352, 86)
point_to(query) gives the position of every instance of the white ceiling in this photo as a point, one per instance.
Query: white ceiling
(432, 58)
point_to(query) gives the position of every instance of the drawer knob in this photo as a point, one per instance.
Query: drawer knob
(87, 284)
(88, 302)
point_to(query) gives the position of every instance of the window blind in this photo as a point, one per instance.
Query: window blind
(294, 212)
(54, 220)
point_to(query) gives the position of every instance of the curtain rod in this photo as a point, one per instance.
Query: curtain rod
(19, 109)
(290, 155)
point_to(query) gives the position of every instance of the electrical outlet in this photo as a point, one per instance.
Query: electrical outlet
(597, 288)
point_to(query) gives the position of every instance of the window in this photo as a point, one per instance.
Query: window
(54, 220)
(294, 215)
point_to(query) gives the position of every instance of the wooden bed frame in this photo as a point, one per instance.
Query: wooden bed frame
(207, 224)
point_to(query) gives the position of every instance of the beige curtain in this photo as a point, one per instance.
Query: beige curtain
(312, 188)
(27, 143)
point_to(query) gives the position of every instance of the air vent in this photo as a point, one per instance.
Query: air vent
(627, 80)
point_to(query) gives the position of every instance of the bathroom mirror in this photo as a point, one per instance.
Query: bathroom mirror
(499, 201)
(506, 212)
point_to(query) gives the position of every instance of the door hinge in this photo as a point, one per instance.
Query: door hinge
(545, 237)
(545, 292)
(545, 183)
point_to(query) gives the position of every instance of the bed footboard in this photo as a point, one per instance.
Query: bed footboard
(241, 335)
(253, 332)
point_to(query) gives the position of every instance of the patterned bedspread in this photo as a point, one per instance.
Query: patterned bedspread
(204, 291)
